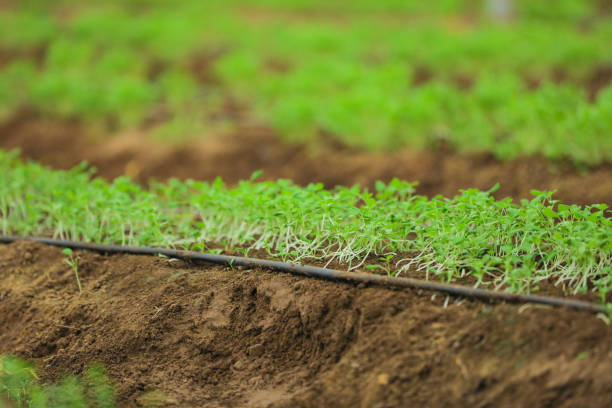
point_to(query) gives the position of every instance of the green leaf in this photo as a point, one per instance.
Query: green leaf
(256, 174)
(549, 213)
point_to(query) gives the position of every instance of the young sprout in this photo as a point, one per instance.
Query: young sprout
(73, 262)
(374, 267)
(386, 260)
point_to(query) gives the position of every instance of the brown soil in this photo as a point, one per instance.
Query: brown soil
(237, 156)
(593, 83)
(35, 55)
(598, 80)
(197, 336)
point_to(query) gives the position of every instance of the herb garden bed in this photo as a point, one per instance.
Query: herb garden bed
(293, 131)
(176, 334)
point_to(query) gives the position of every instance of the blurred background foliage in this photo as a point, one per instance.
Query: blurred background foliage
(375, 75)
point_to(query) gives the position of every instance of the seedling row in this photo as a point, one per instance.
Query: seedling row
(495, 243)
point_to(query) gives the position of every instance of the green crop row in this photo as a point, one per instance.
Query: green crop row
(20, 387)
(497, 243)
(565, 10)
(571, 10)
(380, 108)
(361, 80)
(439, 45)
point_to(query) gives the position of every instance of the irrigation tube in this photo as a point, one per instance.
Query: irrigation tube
(323, 273)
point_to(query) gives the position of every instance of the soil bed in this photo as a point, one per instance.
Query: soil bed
(235, 157)
(210, 336)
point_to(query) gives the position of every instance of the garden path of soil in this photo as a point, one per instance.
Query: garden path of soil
(236, 156)
(194, 336)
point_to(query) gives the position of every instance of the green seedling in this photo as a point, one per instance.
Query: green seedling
(386, 267)
(197, 247)
(380, 267)
(73, 261)
(582, 355)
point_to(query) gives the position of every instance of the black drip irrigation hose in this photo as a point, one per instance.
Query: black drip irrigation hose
(317, 272)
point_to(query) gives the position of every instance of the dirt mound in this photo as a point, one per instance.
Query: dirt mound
(195, 336)
(235, 157)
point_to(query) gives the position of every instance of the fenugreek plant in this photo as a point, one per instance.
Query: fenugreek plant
(498, 243)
